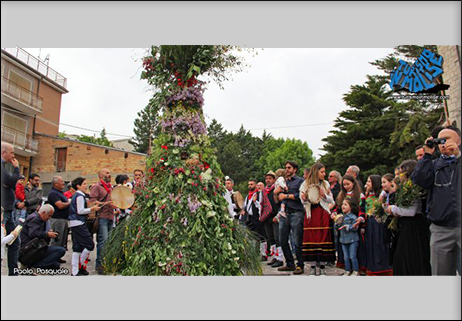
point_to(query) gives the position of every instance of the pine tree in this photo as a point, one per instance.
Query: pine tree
(181, 225)
(146, 126)
(376, 132)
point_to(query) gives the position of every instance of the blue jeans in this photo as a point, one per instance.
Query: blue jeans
(19, 215)
(104, 229)
(293, 222)
(349, 253)
(10, 223)
(50, 261)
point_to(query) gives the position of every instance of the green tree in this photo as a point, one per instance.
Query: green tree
(376, 132)
(102, 140)
(291, 150)
(146, 125)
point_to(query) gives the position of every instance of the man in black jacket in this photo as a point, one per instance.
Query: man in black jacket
(8, 186)
(34, 193)
(36, 227)
(441, 177)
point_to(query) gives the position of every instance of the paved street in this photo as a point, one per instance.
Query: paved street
(267, 270)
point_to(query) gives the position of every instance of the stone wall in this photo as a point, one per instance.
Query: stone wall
(451, 76)
(83, 160)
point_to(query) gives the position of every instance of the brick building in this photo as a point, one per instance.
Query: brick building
(70, 159)
(30, 102)
(451, 76)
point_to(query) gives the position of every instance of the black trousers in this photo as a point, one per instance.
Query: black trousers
(272, 232)
(82, 239)
(256, 226)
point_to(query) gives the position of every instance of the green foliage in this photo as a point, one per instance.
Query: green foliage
(292, 149)
(102, 140)
(146, 125)
(181, 225)
(376, 132)
(243, 156)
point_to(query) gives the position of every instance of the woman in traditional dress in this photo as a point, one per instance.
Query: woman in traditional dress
(318, 242)
(352, 189)
(412, 253)
(387, 197)
(376, 234)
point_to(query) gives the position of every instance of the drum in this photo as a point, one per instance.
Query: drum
(122, 197)
(313, 193)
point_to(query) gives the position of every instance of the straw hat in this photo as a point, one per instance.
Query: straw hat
(271, 173)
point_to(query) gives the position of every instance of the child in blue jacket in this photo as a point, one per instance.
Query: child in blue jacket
(349, 237)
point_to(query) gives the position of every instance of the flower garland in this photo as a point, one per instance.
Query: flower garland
(406, 195)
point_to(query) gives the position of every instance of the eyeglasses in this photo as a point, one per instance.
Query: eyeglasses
(444, 184)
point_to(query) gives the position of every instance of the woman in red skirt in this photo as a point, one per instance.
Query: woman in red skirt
(318, 241)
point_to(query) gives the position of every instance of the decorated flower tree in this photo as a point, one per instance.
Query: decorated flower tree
(181, 225)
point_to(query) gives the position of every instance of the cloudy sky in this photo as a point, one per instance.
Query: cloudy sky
(293, 93)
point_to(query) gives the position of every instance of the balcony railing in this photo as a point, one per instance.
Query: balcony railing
(38, 65)
(19, 139)
(22, 94)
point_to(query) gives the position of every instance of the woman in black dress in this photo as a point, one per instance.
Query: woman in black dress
(412, 253)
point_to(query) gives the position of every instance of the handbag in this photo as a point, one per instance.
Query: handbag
(95, 224)
(33, 252)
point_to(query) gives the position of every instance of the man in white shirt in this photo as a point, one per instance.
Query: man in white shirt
(233, 198)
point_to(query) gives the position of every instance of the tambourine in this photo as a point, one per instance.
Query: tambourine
(313, 194)
(122, 197)
(339, 219)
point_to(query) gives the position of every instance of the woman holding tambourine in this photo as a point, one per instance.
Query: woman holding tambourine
(318, 241)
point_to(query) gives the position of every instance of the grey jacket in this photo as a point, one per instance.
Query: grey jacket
(33, 198)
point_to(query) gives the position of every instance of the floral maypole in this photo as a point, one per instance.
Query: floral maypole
(181, 224)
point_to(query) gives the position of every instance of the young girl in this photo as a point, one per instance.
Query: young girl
(351, 189)
(318, 240)
(82, 241)
(280, 187)
(349, 238)
(377, 247)
(412, 253)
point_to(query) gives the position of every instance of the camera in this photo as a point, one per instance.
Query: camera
(431, 143)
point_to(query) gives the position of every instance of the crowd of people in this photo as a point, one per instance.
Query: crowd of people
(81, 211)
(368, 229)
(406, 223)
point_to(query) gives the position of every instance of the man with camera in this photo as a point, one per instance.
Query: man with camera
(35, 230)
(441, 177)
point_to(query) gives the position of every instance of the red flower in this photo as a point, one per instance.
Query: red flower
(164, 147)
(152, 170)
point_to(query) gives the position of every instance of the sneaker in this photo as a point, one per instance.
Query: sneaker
(346, 273)
(322, 272)
(83, 272)
(99, 270)
(298, 271)
(272, 261)
(355, 273)
(313, 271)
(286, 268)
(61, 261)
(277, 264)
(264, 258)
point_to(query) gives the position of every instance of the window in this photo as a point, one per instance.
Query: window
(61, 156)
(22, 82)
(15, 128)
